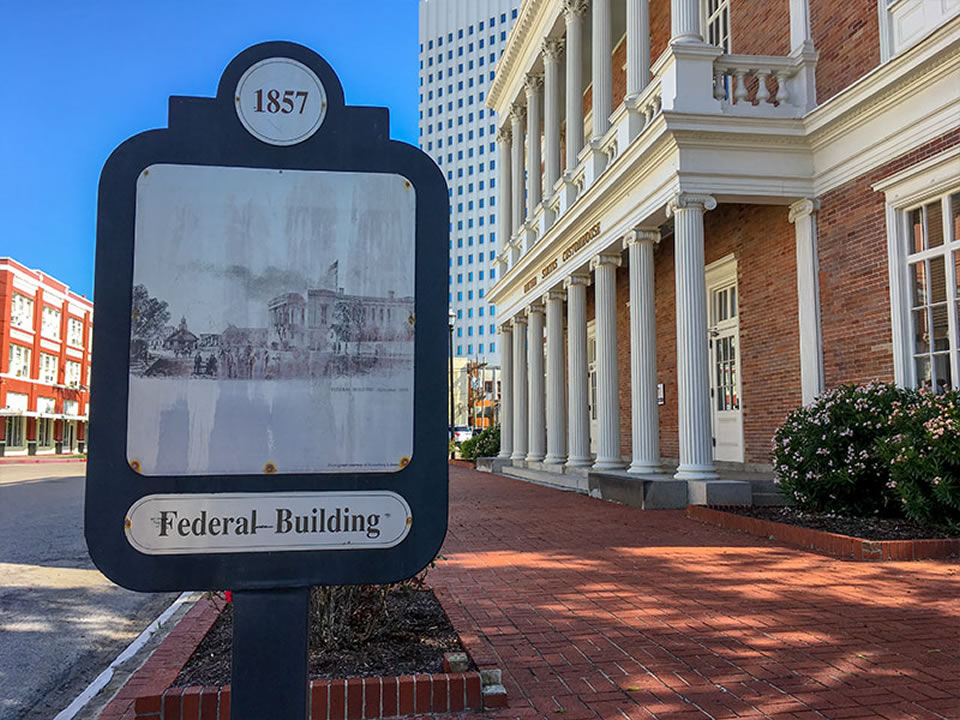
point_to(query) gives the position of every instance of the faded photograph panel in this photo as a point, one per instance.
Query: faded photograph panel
(272, 322)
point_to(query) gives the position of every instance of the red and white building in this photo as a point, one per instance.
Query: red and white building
(46, 333)
(711, 211)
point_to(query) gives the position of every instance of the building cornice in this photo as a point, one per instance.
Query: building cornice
(524, 44)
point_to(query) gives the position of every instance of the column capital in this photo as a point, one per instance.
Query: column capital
(532, 83)
(575, 7)
(519, 319)
(576, 279)
(534, 308)
(803, 207)
(553, 49)
(504, 133)
(505, 329)
(689, 201)
(641, 235)
(605, 258)
(518, 113)
(554, 295)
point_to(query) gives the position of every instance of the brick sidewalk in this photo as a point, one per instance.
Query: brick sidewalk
(598, 610)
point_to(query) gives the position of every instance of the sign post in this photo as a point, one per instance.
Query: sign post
(270, 338)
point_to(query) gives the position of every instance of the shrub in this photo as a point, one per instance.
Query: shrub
(827, 457)
(924, 458)
(488, 443)
(467, 449)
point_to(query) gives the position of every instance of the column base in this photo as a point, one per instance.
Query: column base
(554, 460)
(580, 462)
(518, 456)
(534, 458)
(504, 455)
(696, 472)
(608, 464)
(645, 468)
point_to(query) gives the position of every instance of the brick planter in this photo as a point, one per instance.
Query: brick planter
(353, 699)
(830, 543)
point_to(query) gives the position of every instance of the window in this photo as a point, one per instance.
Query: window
(16, 435)
(48, 368)
(19, 361)
(716, 23)
(903, 24)
(71, 374)
(22, 312)
(933, 271)
(44, 433)
(50, 324)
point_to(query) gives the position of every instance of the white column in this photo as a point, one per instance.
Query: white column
(803, 215)
(608, 385)
(506, 391)
(556, 405)
(638, 46)
(519, 388)
(602, 68)
(518, 186)
(645, 419)
(573, 12)
(579, 420)
(685, 21)
(533, 85)
(504, 198)
(693, 383)
(800, 36)
(536, 417)
(552, 50)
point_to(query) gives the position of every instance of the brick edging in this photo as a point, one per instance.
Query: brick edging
(350, 699)
(843, 546)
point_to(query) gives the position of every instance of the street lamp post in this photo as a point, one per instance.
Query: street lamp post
(451, 319)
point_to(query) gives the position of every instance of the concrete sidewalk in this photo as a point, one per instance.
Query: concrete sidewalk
(598, 610)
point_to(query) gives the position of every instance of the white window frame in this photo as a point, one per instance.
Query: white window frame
(889, 11)
(706, 18)
(45, 366)
(45, 440)
(24, 356)
(71, 373)
(47, 327)
(75, 332)
(21, 312)
(935, 178)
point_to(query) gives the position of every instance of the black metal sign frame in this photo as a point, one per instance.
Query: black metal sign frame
(208, 131)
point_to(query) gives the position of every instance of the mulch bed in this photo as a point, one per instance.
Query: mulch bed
(416, 644)
(865, 528)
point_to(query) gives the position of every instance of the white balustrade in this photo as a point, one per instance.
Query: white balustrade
(762, 82)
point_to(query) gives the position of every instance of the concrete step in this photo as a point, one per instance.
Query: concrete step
(561, 481)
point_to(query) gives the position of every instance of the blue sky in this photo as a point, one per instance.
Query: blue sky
(79, 77)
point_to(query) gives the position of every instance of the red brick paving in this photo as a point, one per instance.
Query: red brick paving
(597, 610)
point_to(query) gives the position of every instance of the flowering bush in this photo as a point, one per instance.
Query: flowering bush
(924, 457)
(826, 455)
(486, 444)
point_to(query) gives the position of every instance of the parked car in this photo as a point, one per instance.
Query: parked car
(461, 433)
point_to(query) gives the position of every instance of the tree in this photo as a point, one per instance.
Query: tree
(150, 315)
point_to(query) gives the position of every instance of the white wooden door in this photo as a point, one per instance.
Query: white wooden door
(725, 382)
(592, 384)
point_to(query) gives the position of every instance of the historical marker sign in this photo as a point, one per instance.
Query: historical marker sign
(269, 342)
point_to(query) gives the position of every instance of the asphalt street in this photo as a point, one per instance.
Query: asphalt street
(61, 621)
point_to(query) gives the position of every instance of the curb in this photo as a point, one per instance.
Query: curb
(843, 546)
(34, 460)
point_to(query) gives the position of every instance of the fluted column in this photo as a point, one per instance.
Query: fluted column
(519, 388)
(693, 383)
(803, 214)
(608, 386)
(602, 68)
(645, 420)
(573, 12)
(533, 87)
(536, 417)
(579, 419)
(685, 21)
(552, 50)
(504, 199)
(638, 46)
(556, 405)
(518, 185)
(506, 391)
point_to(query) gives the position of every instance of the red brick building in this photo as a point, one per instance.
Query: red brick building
(711, 211)
(45, 332)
